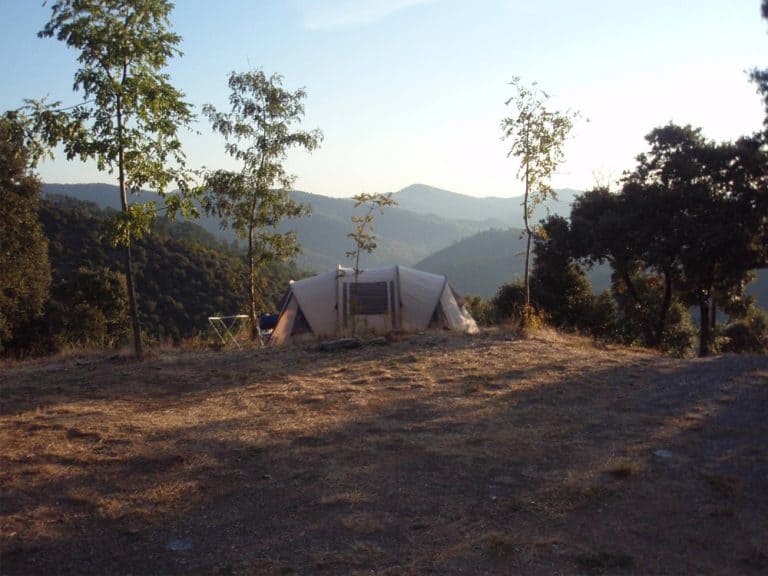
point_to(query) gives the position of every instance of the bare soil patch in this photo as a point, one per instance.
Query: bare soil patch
(435, 454)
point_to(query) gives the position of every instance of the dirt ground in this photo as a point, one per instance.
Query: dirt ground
(434, 454)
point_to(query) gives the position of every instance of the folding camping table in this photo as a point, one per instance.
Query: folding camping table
(223, 325)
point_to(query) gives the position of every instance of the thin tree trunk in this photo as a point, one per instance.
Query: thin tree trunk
(528, 239)
(665, 304)
(713, 315)
(133, 310)
(704, 333)
(252, 316)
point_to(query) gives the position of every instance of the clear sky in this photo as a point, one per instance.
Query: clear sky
(410, 91)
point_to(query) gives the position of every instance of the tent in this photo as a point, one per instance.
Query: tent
(334, 304)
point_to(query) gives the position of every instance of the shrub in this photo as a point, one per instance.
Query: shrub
(749, 335)
(509, 302)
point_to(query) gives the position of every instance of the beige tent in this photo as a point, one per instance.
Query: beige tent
(333, 304)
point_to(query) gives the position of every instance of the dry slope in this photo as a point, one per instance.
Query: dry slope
(435, 454)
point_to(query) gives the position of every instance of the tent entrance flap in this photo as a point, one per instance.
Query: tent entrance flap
(367, 306)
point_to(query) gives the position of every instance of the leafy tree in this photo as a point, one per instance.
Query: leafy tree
(559, 285)
(603, 226)
(691, 215)
(131, 110)
(362, 234)
(26, 272)
(538, 136)
(259, 131)
(90, 309)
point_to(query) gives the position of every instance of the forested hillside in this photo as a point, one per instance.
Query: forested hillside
(403, 236)
(183, 276)
(478, 265)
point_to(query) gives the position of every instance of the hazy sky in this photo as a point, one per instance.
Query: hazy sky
(410, 91)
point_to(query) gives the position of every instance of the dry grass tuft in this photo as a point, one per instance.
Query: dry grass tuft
(600, 562)
(624, 468)
(343, 499)
(363, 522)
(500, 544)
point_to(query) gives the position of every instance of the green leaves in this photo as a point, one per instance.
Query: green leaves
(131, 114)
(132, 223)
(26, 273)
(538, 135)
(362, 233)
(691, 213)
(259, 131)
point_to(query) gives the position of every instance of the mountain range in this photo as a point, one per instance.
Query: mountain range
(419, 226)
(495, 212)
(476, 242)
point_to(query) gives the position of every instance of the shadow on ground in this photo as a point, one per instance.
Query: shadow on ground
(434, 455)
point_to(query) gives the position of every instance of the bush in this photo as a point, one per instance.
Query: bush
(509, 302)
(749, 335)
(600, 320)
(679, 336)
(480, 309)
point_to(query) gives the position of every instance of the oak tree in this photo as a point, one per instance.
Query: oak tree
(26, 271)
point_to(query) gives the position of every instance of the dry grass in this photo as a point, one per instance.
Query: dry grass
(432, 454)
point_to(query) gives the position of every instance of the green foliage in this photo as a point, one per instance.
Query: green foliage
(254, 201)
(91, 309)
(131, 114)
(184, 274)
(538, 137)
(26, 273)
(602, 317)
(559, 286)
(130, 107)
(362, 232)
(691, 217)
(635, 322)
(480, 309)
(679, 335)
(748, 335)
(509, 302)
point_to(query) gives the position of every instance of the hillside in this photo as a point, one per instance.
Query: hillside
(404, 237)
(430, 455)
(183, 275)
(460, 241)
(497, 212)
(478, 265)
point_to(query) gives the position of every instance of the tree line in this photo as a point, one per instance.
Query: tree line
(183, 274)
(686, 228)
